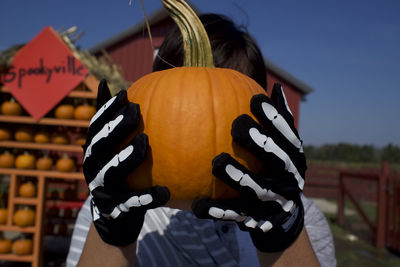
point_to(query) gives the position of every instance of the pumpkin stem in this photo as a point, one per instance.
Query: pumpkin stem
(197, 48)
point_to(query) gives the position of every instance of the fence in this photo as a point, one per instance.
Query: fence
(379, 186)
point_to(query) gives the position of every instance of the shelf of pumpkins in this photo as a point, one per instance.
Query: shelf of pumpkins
(41, 151)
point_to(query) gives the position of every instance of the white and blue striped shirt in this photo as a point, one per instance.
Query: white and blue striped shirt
(172, 237)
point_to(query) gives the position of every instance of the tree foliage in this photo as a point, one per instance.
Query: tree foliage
(353, 153)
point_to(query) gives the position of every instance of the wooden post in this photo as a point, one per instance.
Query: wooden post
(382, 206)
(340, 202)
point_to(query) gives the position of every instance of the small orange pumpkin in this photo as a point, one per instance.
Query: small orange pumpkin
(5, 246)
(80, 140)
(44, 163)
(3, 215)
(25, 161)
(27, 189)
(11, 107)
(42, 137)
(84, 112)
(22, 247)
(60, 138)
(7, 160)
(24, 217)
(5, 134)
(24, 134)
(65, 164)
(64, 111)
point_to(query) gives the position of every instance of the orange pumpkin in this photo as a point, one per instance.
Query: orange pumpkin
(44, 163)
(84, 112)
(25, 161)
(42, 137)
(3, 215)
(5, 246)
(5, 134)
(64, 111)
(60, 138)
(24, 135)
(11, 107)
(27, 189)
(187, 115)
(22, 247)
(65, 164)
(7, 160)
(80, 140)
(24, 217)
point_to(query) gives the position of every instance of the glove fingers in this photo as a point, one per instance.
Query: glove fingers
(120, 232)
(236, 210)
(237, 176)
(279, 99)
(103, 94)
(252, 136)
(129, 201)
(113, 134)
(107, 111)
(112, 174)
(217, 209)
(279, 127)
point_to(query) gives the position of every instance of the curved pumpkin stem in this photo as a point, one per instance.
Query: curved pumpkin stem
(197, 48)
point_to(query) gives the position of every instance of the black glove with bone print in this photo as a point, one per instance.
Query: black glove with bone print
(118, 212)
(269, 206)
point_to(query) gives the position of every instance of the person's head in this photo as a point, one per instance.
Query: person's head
(232, 48)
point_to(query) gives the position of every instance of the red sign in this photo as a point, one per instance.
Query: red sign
(42, 73)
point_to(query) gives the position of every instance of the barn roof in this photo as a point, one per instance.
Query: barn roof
(161, 14)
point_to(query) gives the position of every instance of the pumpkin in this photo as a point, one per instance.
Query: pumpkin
(187, 114)
(24, 217)
(11, 107)
(65, 164)
(44, 163)
(22, 247)
(25, 161)
(27, 189)
(42, 137)
(5, 134)
(3, 215)
(64, 111)
(5, 246)
(24, 134)
(60, 138)
(84, 112)
(7, 160)
(80, 140)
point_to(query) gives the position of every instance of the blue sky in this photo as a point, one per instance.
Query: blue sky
(348, 51)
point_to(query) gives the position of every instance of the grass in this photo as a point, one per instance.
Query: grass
(353, 243)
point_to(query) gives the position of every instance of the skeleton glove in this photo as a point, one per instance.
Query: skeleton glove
(118, 212)
(269, 206)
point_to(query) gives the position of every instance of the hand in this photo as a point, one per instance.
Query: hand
(269, 206)
(118, 213)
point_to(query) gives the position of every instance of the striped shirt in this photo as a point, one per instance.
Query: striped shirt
(172, 237)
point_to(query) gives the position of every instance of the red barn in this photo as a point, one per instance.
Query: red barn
(131, 50)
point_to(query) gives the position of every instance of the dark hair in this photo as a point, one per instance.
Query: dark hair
(232, 48)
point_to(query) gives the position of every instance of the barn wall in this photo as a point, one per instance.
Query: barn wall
(135, 54)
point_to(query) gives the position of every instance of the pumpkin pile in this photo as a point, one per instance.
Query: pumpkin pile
(27, 189)
(11, 107)
(7, 160)
(18, 247)
(187, 114)
(24, 217)
(80, 112)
